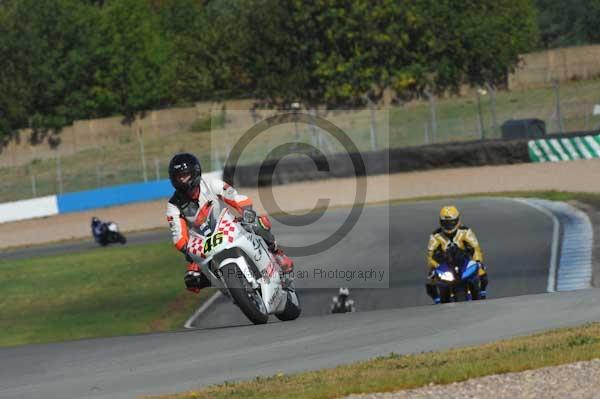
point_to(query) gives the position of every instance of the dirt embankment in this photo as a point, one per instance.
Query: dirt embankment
(578, 176)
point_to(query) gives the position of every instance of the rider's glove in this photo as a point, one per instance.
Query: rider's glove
(193, 278)
(431, 274)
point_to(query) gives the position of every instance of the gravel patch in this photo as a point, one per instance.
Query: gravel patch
(575, 381)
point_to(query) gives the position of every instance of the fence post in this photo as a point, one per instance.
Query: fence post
(97, 174)
(296, 109)
(558, 112)
(317, 139)
(492, 92)
(59, 178)
(373, 125)
(586, 112)
(74, 138)
(142, 153)
(33, 186)
(431, 98)
(13, 154)
(479, 112)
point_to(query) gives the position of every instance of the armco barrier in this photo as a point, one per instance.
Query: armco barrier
(28, 209)
(564, 149)
(286, 170)
(435, 156)
(89, 199)
(119, 195)
(114, 195)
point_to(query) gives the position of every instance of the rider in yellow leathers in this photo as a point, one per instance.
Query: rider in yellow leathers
(452, 239)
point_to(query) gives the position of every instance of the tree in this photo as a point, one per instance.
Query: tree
(132, 61)
(47, 64)
(198, 70)
(336, 51)
(72, 59)
(474, 41)
(568, 23)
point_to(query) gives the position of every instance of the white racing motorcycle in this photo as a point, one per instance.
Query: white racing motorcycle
(238, 262)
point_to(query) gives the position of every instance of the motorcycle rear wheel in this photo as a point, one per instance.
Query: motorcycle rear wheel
(244, 296)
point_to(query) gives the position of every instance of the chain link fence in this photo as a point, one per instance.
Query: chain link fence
(135, 153)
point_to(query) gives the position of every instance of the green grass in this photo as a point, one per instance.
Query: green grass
(102, 292)
(395, 372)
(457, 120)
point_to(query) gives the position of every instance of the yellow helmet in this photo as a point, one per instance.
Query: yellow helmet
(449, 219)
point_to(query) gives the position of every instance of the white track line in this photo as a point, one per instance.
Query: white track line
(202, 309)
(551, 287)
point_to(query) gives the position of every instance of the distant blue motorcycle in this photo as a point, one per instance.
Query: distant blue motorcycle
(459, 283)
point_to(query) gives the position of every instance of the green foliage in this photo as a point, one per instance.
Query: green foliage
(46, 70)
(476, 41)
(568, 23)
(72, 59)
(132, 55)
(337, 51)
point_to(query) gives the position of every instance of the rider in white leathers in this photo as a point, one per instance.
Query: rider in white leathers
(193, 204)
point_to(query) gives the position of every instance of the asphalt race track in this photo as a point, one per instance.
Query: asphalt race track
(516, 241)
(516, 266)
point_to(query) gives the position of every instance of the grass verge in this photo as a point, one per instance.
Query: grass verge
(102, 292)
(396, 372)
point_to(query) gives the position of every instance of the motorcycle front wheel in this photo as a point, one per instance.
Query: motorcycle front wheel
(247, 298)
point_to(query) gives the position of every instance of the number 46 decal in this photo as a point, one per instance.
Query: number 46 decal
(212, 242)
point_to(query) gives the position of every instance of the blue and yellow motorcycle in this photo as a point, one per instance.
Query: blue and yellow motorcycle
(457, 283)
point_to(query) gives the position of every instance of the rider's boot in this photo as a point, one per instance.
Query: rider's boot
(194, 279)
(264, 230)
(484, 282)
(285, 262)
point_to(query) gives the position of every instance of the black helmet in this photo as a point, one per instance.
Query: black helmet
(95, 220)
(185, 173)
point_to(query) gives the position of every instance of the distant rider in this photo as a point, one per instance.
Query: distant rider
(451, 243)
(342, 303)
(99, 229)
(189, 214)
